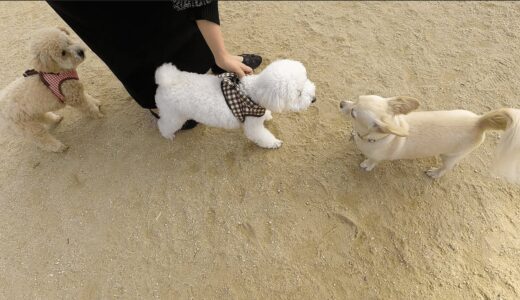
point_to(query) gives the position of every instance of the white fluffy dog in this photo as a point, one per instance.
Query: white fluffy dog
(387, 129)
(281, 86)
(27, 104)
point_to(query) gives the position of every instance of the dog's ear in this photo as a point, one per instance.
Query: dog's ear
(402, 105)
(41, 60)
(385, 125)
(63, 29)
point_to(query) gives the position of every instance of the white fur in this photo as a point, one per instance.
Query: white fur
(397, 133)
(507, 155)
(181, 96)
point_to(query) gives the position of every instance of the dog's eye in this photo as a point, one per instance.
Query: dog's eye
(63, 53)
(299, 93)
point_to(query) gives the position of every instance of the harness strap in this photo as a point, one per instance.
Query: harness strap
(365, 137)
(30, 72)
(154, 114)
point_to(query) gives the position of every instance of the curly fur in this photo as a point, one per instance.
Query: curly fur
(27, 105)
(281, 86)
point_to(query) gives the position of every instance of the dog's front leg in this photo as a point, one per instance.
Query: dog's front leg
(51, 119)
(268, 115)
(91, 106)
(87, 104)
(76, 96)
(255, 131)
(368, 164)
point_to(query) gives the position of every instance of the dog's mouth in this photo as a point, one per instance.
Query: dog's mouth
(344, 108)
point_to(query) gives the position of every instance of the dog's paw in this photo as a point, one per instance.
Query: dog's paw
(95, 112)
(170, 137)
(95, 101)
(268, 115)
(55, 147)
(272, 145)
(434, 173)
(94, 108)
(54, 118)
(51, 120)
(58, 119)
(368, 165)
(277, 144)
(62, 148)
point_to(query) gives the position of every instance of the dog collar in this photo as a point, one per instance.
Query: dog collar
(365, 137)
(238, 102)
(53, 81)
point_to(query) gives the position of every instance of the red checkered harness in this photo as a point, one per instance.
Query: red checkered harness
(54, 80)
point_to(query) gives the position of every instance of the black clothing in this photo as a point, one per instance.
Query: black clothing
(184, 4)
(134, 38)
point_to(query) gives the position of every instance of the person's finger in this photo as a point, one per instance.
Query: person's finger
(239, 72)
(246, 69)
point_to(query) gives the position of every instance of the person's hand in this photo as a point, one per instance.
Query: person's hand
(232, 64)
(213, 37)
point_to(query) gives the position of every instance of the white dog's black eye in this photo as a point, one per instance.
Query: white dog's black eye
(299, 93)
(63, 53)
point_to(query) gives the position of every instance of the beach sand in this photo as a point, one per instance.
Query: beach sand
(125, 213)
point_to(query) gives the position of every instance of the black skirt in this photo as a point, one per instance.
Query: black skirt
(134, 38)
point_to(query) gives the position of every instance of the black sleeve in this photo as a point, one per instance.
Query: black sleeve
(207, 12)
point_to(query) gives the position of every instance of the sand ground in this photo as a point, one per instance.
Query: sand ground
(127, 214)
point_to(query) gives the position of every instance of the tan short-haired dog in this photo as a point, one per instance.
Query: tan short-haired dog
(387, 129)
(27, 104)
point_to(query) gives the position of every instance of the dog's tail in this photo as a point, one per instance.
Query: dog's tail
(507, 156)
(166, 74)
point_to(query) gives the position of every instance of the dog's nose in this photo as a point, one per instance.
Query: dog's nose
(81, 53)
(342, 104)
(313, 100)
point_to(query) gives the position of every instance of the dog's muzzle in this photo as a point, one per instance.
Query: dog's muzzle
(342, 104)
(313, 100)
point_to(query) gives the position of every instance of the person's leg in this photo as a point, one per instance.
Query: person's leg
(135, 38)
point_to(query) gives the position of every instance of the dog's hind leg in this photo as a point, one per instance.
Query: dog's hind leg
(168, 127)
(36, 132)
(255, 131)
(448, 162)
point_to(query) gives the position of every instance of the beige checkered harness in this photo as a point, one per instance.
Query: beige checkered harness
(239, 103)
